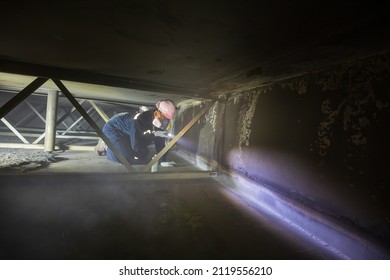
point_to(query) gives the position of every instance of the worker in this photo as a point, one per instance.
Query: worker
(131, 134)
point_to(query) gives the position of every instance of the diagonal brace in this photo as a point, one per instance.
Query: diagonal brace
(35, 111)
(22, 95)
(60, 120)
(76, 122)
(90, 121)
(13, 129)
(100, 111)
(177, 137)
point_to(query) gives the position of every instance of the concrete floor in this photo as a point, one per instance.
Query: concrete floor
(116, 215)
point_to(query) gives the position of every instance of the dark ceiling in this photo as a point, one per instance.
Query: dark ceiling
(194, 48)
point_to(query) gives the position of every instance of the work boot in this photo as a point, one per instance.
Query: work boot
(100, 148)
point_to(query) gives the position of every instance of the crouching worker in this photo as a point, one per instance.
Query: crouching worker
(131, 134)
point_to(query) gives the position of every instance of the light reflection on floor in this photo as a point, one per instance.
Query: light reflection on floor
(302, 220)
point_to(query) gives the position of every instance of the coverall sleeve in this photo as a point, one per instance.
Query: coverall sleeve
(141, 134)
(134, 137)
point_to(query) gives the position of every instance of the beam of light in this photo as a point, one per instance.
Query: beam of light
(188, 144)
(321, 229)
(265, 201)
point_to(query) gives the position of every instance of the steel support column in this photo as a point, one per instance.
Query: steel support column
(51, 118)
(67, 114)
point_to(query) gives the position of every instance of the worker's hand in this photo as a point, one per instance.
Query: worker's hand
(160, 133)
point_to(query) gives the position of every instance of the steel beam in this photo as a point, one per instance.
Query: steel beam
(24, 118)
(177, 137)
(67, 114)
(65, 111)
(80, 124)
(35, 111)
(166, 175)
(81, 110)
(21, 68)
(13, 129)
(76, 122)
(41, 147)
(21, 146)
(85, 137)
(100, 111)
(22, 95)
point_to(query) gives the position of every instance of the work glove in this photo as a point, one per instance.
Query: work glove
(168, 164)
(160, 133)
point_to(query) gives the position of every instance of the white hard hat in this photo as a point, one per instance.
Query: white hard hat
(167, 108)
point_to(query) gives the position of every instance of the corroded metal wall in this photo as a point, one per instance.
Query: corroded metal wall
(322, 138)
(199, 142)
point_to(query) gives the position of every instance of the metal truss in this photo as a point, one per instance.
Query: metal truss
(85, 115)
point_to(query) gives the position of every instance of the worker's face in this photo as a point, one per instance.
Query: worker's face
(159, 120)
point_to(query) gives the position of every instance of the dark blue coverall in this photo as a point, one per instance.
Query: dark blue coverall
(133, 136)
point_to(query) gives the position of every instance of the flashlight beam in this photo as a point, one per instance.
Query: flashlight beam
(177, 137)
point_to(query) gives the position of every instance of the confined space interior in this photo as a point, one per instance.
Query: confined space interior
(280, 139)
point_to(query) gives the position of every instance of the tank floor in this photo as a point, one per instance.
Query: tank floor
(89, 162)
(115, 216)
